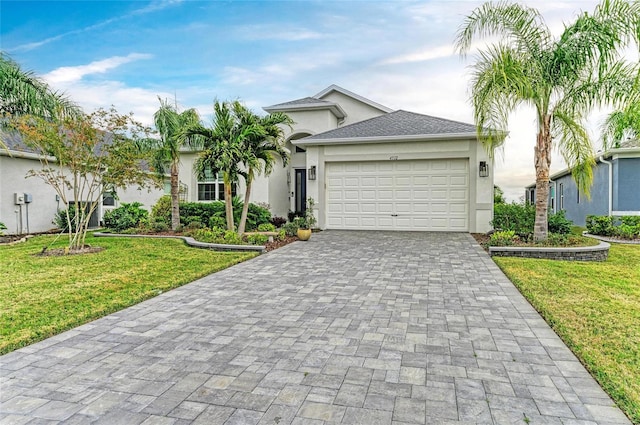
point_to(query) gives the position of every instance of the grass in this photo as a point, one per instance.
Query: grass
(43, 296)
(595, 308)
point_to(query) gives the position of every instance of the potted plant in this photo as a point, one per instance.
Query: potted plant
(306, 222)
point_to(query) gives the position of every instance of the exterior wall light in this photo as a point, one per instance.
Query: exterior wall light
(312, 172)
(483, 169)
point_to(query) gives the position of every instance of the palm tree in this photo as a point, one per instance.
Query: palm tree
(172, 126)
(21, 93)
(622, 127)
(224, 149)
(563, 78)
(262, 150)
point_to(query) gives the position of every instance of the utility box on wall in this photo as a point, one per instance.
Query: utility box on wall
(18, 198)
(28, 198)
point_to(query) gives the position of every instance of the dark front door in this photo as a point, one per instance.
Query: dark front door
(301, 190)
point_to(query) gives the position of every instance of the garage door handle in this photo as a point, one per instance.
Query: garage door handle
(394, 215)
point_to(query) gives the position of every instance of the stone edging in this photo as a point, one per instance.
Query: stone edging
(191, 242)
(612, 240)
(598, 252)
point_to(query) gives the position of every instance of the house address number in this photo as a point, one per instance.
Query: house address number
(393, 158)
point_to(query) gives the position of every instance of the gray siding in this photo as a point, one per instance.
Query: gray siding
(577, 210)
(626, 178)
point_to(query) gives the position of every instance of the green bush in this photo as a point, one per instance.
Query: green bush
(231, 237)
(195, 224)
(518, 218)
(159, 226)
(2, 228)
(126, 216)
(60, 219)
(257, 215)
(266, 227)
(290, 229)
(559, 224)
(627, 231)
(281, 234)
(601, 225)
(503, 238)
(202, 210)
(216, 221)
(257, 239)
(630, 220)
(161, 211)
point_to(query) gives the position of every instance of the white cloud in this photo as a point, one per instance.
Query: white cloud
(67, 74)
(276, 32)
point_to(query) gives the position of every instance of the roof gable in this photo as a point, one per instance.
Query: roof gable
(335, 88)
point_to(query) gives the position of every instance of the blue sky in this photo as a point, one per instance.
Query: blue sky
(127, 53)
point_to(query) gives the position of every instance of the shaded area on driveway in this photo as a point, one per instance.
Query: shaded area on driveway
(350, 327)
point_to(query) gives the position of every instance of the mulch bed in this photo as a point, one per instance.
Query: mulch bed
(270, 246)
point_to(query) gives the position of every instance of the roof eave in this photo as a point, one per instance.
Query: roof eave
(346, 92)
(334, 108)
(384, 139)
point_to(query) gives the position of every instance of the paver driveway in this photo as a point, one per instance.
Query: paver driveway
(350, 327)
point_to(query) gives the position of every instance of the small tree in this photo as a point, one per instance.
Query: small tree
(498, 195)
(81, 156)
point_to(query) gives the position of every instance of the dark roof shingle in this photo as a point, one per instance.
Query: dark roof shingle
(397, 123)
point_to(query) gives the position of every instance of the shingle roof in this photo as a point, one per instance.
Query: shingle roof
(14, 142)
(398, 123)
(301, 102)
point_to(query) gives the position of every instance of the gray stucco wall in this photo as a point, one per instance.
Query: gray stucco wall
(626, 193)
(599, 202)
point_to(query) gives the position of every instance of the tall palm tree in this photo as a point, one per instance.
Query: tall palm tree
(172, 126)
(262, 150)
(224, 149)
(21, 93)
(622, 127)
(562, 78)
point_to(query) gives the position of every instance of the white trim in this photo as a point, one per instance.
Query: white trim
(333, 107)
(625, 212)
(353, 95)
(384, 139)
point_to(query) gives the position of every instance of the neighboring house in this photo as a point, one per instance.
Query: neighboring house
(365, 165)
(616, 177)
(28, 205)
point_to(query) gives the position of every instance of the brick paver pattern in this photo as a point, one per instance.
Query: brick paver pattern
(350, 327)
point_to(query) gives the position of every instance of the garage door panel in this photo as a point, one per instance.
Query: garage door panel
(398, 195)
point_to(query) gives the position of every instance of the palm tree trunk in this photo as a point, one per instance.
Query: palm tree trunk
(245, 207)
(175, 197)
(542, 162)
(228, 206)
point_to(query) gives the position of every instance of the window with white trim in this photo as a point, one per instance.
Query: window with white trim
(561, 190)
(211, 188)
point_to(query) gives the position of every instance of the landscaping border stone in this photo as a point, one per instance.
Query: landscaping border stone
(598, 252)
(191, 242)
(613, 240)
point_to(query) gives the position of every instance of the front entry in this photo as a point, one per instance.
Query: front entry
(301, 190)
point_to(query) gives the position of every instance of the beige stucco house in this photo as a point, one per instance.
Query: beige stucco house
(366, 166)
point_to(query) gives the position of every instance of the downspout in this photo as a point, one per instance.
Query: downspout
(601, 159)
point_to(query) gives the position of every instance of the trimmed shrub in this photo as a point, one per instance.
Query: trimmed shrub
(503, 238)
(126, 216)
(213, 213)
(257, 239)
(2, 228)
(161, 211)
(601, 225)
(266, 227)
(518, 218)
(159, 226)
(559, 224)
(630, 220)
(627, 231)
(216, 221)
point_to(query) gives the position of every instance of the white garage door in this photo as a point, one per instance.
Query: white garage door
(428, 195)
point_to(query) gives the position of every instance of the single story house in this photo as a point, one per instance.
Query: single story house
(366, 167)
(29, 205)
(614, 192)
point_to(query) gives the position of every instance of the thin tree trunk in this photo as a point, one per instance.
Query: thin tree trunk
(543, 163)
(245, 207)
(175, 197)
(228, 206)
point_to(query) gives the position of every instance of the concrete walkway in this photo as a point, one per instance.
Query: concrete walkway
(350, 327)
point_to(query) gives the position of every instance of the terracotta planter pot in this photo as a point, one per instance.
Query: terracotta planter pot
(304, 234)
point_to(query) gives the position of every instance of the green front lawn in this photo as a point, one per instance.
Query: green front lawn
(595, 308)
(43, 296)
